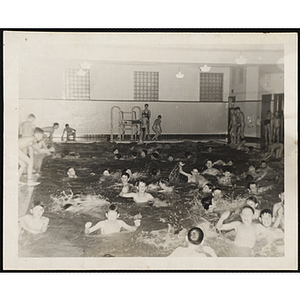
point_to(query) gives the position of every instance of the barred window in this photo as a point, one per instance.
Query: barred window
(145, 86)
(77, 84)
(211, 86)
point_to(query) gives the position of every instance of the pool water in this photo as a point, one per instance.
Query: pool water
(163, 225)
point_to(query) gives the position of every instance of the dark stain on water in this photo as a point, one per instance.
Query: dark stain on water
(162, 228)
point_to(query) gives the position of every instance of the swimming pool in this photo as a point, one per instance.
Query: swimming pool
(163, 227)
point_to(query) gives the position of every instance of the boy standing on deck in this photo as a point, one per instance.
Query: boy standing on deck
(157, 128)
(27, 128)
(28, 145)
(144, 126)
(71, 133)
(50, 130)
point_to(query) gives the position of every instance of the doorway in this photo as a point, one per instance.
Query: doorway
(231, 104)
(279, 106)
(265, 107)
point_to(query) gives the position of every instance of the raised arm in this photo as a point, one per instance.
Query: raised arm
(182, 172)
(229, 226)
(89, 229)
(127, 195)
(130, 228)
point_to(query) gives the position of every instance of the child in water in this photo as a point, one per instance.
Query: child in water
(35, 222)
(112, 224)
(209, 169)
(194, 240)
(272, 232)
(194, 177)
(254, 190)
(278, 211)
(126, 186)
(246, 232)
(71, 173)
(141, 196)
(252, 201)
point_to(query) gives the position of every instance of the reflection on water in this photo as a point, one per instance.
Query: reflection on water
(71, 203)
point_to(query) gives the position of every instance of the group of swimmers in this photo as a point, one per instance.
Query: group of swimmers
(253, 225)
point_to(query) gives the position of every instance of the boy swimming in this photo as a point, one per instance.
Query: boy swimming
(209, 169)
(194, 240)
(141, 196)
(246, 232)
(35, 222)
(194, 176)
(112, 224)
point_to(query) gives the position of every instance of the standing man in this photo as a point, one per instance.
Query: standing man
(147, 113)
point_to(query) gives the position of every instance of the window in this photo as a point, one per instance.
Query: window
(145, 86)
(211, 86)
(77, 84)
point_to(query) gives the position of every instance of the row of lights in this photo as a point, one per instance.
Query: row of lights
(239, 61)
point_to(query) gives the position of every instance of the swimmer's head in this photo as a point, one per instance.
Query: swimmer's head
(265, 217)
(251, 168)
(155, 172)
(230, 162)
(247, 214)
(207, 188)
(195, 171)
(67, 125)
(263, 164)
(31, 118)
(144, 153)
(227, 173)
(106, 172)
(154, 155)
(252, 187)
(134, 154)
(37, 209)
(209, 163)
(141, 186)
(170, 157)
(125, 177)
(38, 133)
(159, 116)
(117, 156)
(276, 114)
(250, 148)
(281, 197)
(188, 154)
(115, 151)
(209, 149)
(217, 193)
(55, 125)
(249, 178)
(146, 105)
(252, 201)
(195, 236)
(237, 109)
(112, 214)
(232, 110)
(71, 172)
